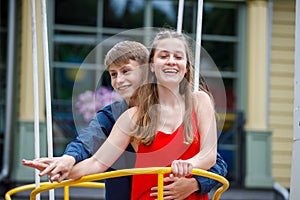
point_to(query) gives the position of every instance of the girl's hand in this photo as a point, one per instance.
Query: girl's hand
(57, 168)
(181, 168)
(35, 164)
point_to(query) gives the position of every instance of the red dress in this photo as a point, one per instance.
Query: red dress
(164, 149)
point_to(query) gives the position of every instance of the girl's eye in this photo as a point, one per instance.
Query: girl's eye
(179, 56)
(163, 56)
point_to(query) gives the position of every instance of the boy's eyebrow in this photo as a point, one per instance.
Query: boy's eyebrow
(119, 67)
(111, 70)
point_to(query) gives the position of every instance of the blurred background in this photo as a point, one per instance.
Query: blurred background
(250, 41)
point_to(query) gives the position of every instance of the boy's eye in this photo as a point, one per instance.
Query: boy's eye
(113, 74)
(125, 71)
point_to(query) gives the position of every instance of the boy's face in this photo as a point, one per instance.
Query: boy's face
(125, 78)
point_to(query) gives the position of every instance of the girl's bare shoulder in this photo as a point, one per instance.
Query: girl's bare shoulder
(127, 121)
(132, 111)
(202, 98)
(129, 114)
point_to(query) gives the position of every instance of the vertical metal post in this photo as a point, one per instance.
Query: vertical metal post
(180, 16)
(160, 184)
(47, 86)
(47, 80)
(295, 176)
(9, 89)
(198, 44)
(35, 92)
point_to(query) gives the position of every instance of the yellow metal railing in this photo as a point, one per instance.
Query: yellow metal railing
(66, 188)
(86, 181)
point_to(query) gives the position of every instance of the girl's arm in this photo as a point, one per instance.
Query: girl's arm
(207, 128)
(111, 149)
(206, 124)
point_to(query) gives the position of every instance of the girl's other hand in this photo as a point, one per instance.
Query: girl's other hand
(181, 168)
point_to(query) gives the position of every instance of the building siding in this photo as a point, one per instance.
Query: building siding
(281, 89)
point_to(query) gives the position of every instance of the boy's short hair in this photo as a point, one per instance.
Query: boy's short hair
(124, 51)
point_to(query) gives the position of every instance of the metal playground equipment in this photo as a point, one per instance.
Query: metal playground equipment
(86, 181)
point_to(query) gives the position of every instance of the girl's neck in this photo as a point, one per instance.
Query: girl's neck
(169, 97)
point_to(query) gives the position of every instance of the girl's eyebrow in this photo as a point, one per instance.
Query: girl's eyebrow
(167, 51)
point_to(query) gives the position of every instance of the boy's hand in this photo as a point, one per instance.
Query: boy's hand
(178, 188)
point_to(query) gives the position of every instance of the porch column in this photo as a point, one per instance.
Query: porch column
(258, 137)
(24, 134)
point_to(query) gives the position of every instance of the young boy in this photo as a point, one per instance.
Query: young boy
(123, 62)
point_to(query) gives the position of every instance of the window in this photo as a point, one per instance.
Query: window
(123, 14)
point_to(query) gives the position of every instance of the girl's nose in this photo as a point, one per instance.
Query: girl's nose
(171, 60)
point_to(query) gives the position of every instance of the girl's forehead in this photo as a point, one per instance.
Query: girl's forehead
(170, 44)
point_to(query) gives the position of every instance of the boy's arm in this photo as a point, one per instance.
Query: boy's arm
(111, 149)
(89, 138)
(206, 184)
(77, 150)
(101, 125)
(92, 137)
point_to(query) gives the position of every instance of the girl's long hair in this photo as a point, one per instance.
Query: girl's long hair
(147, 97)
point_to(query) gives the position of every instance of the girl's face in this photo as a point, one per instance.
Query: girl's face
(125, 78)
(169, 62)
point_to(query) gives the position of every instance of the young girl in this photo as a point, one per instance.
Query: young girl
(170, 126)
